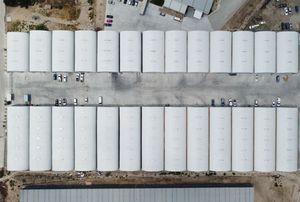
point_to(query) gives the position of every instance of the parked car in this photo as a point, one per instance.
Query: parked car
(162, 14)
(278, 102)
(256, 103)
(230, 103)
(107, 24)
(223, 102)
(235, 103)
(59, 101)
(100, 100)
(109, 16)
(81, 77)
(273, 103)
(213, 102)
(64, 101)
(56, 102)
(77, 77)
(297, 9)
(109, 20)
(125, 1)
(54, 76)
(75, 101)
(59, 78)
(65, 78)
(282, 5)
(86, 100)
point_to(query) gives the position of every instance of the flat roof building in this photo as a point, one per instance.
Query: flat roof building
(181, 6)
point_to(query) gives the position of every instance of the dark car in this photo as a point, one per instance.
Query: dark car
(54, 76)
(125, 1)
(213, 102)
(297, 9)
(109, 16)
(56, 102)
(109, 20)
(282, 5)
(107, 24)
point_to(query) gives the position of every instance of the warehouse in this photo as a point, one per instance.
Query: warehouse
(85, 138)
(264, 139)
(152, 138)
(242, 139)
(220, 139)
(108, 51)
(176, 47)
(287, 140)
(40, 138)
(175, 139)
(197, 138)
(130, 138)
(85, 51)
(17, 138)
(40, 51)
(287, 52)
(243, 52)
(153, 51)
(62, 138)
(17, 52)
(62, 51)
(130, 51)
(107, 138)
(265, 52)
(220, 49)
(198, 51)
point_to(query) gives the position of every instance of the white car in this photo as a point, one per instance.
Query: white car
(86, 100)
(75, 101)
(65, 79)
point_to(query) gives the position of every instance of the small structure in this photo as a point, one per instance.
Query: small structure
(181, 6)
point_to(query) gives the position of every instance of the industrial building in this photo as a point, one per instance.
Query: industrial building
(152, 138)
(153, 51)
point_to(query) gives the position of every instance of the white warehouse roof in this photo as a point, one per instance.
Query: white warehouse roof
(62, 138)
(130, 136)
(243, 52)
(62, 51)
(108, 51)
(242, 139)
(175, 138)
(85, 51)
(197, 138)
(130, 51)
(176, 51)
(85, 138)
(17, 138)
(198, 51)
(287, 139)
(287, 52)
(17, 52)
(265, 52)
(153, 51)
(264, 137)
(220, 51)
(40, 51)
(107, 138)
(40, 138)
(153, 138)
(220, 139)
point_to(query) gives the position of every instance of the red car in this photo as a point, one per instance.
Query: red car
(109, 20)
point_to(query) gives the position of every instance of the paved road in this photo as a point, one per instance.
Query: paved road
(3, 85)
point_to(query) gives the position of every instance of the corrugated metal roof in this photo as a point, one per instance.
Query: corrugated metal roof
(203, 194)
(199, 5)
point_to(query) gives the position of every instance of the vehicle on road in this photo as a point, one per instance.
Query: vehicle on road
(75, 101)
(109, 16)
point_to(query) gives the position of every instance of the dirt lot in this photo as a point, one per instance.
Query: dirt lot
(70, 15)
(277, 187)
(267, 14)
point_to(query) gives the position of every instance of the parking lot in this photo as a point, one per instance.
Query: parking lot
(157, 89)
(127, 17)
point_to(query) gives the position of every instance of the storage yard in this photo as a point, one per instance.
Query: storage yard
(113, 115)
